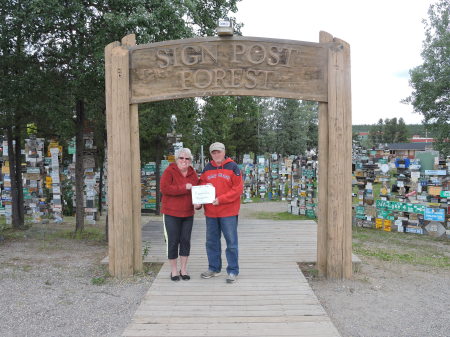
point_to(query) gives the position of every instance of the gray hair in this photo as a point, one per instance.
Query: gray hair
(186, 151)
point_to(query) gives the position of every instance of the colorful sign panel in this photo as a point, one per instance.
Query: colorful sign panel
(434, 214)
(400, 206)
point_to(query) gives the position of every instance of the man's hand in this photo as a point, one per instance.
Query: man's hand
(188, 186)
(216, 202)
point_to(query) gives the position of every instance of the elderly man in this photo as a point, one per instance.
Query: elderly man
(222, 215)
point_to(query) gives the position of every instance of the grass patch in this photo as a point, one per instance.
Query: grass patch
(49, 232)
(401, 247)
(88, 234)
(98, 281)
(103, 276)
(258, 199)
(309, 270)
(280, 216)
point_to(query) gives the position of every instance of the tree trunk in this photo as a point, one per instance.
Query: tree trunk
(100, 187)
(79, 171)
(16, 223)
(18, 176)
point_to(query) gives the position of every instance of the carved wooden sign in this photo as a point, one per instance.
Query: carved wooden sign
(228, 66)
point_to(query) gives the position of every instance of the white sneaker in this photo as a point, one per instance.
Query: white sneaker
(231, 278)
(209, 274)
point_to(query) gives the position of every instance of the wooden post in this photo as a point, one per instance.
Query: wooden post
(322, 220)
(119, 157)
(339, 235)
(110, 181)
(130, 40)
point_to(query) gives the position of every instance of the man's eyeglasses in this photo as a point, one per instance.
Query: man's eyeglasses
(183, 158)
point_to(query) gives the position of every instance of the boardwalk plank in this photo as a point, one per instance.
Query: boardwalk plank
(270, 298)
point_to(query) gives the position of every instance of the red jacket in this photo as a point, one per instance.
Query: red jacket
(227, 180)
(176, 199)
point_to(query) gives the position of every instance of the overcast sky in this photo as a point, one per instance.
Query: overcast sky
(385, 38)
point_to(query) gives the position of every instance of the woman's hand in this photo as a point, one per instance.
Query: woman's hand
(197, 206)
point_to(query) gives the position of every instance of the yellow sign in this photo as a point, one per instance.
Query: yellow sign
(48, 182)
(53, 145)
(378, 223)
(387, 225)
(171, 158)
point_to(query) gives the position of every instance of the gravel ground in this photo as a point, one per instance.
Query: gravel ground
(47, 289)
(388, 299)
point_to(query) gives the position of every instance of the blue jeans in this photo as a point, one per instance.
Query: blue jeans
(214, 228)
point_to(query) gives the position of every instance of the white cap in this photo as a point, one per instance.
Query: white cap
(216, 147)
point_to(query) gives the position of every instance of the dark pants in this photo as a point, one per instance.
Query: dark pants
(177, 232)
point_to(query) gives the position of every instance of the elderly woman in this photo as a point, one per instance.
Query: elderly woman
(178, 211)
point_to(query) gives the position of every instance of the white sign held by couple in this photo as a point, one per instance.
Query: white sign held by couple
(203, 194)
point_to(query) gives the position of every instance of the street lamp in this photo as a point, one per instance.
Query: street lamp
(225, 27)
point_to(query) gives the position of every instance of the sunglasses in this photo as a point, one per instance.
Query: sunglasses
(183, 158)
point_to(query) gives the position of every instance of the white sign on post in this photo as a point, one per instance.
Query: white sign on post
(203, 194)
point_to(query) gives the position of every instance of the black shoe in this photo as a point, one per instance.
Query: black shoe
(174, 278)
(185, 277)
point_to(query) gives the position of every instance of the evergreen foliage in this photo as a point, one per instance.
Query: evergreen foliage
(431, 80)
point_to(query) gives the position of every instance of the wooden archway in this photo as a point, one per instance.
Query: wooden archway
(215, 66)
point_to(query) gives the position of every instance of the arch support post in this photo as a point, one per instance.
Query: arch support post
(124, 223)
(334, 234)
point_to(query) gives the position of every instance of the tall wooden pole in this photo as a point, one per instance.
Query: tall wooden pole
(130, 40)
(110, 191)
(124, 239)
(334, 235)
(322, 218)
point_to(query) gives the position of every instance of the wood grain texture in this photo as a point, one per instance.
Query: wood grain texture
(120, 157)
(231, 66)
(322, 221)
(339, 164)
(129, 41)
(270, 298)
(110, 181)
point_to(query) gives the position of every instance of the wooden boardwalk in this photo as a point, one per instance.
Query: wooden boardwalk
(270, 298)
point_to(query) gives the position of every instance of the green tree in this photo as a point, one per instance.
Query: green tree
(431, 80)
(402, 131)
(20, 88)
(243, 134)
(215, 119)
(390, 130)
(376, 133)
(77, 32)
(310, 121)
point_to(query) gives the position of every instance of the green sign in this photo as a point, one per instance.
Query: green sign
(71, 147)
(445, 194)
(400, 206)
(382, 214)
(360, 210)
(308, 173)
(310, 213)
